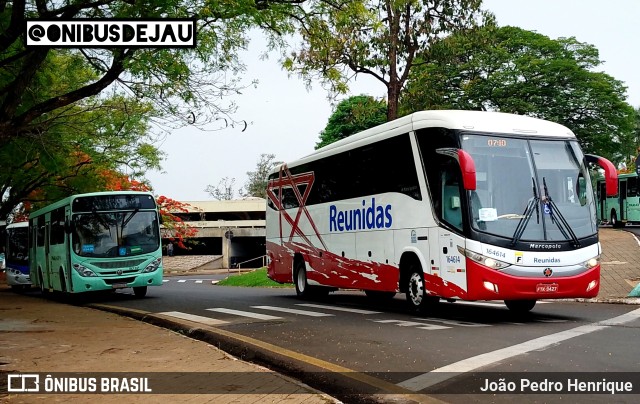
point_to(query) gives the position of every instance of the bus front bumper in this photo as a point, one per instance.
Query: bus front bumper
(487, 284)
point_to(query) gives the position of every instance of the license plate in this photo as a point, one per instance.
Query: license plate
(119, 285)
(546, 287)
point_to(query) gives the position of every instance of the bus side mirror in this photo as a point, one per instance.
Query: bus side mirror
(610, 173)
(466, 163)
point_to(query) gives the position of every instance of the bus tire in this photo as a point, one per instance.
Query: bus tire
(520, 306)
(43, 290)
(63, 283)
(417, 297)
(303, 290)
(379, 296)
(614, 220)
(140, 291)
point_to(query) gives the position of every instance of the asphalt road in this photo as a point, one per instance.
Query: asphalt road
(457, 347)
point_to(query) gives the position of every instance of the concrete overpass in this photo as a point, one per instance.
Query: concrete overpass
(234, 229)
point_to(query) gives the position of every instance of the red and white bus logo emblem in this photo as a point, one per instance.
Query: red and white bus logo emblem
(547, 272)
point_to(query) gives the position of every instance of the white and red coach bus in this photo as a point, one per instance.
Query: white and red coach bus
(441, 205)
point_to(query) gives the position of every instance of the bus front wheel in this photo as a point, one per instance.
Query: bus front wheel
(417, 298)
(520, 306)
(140, 291)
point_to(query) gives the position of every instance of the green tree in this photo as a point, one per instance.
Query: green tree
(380, 38)
(353, 115)
(74, 155)
(186, 86)
(256, 185)
(512, 70)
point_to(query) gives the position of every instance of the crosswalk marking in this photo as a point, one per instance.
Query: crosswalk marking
(294, 311)
(245, 313)
(322, 306)
(454, 322)
(194, 318)
(421, 326)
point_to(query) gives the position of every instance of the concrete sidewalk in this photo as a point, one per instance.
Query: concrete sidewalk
(44, 336)
(620, 266)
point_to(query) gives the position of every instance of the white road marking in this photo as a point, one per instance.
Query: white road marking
(182, 281)
(294, 311)
(199, 281)
(436, 376)
(421, 326)
(245, 313)
(322, 306)
(454, 322)
(194, 318)
(165, 280)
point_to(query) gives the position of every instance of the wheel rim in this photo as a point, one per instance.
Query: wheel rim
(416, 289)
(302, 280)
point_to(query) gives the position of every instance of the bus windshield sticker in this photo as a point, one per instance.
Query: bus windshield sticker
(88, 248)
(487, 214)
(122, 251)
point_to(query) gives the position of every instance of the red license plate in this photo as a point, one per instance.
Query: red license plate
(546, 288)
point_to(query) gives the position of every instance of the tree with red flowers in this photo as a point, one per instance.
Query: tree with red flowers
(174, 228)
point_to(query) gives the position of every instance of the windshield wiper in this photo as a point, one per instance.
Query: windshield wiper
(528, 212)
(558, 219)
(126, 221)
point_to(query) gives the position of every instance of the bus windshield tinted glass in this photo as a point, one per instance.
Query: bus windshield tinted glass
(115, 234)
(17, 243)
(512, 172)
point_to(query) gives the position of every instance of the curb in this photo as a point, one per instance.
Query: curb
(344, 386)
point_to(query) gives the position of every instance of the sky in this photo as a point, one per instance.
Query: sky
(285, 117)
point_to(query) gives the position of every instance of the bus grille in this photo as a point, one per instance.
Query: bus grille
(120, 280)
(118, 264)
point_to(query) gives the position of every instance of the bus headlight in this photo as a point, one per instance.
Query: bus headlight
(83, 271)
(13, 271)
(155, 264)
(592, 262)
(484, 260)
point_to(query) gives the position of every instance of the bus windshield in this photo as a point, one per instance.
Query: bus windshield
(18, 249)
(530, 189)
(115, 234)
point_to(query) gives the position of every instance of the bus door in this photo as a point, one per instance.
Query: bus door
(602, 201)
(622, 198)
(452, 262)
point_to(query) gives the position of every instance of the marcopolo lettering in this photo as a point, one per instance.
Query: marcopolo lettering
(366, 218)
(545, 246)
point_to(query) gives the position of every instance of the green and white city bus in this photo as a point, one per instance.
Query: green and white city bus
(96, 241)
(622, 208)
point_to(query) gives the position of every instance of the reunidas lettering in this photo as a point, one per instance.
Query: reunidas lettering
(371, 217)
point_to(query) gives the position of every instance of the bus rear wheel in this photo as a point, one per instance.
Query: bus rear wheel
(520, 306)
(303, 289)
(140, 291)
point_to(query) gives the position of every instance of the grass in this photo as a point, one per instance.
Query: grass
(257, 278)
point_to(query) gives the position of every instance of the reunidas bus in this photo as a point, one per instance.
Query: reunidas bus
(440, 205)
(17, 255)
(97, 241)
